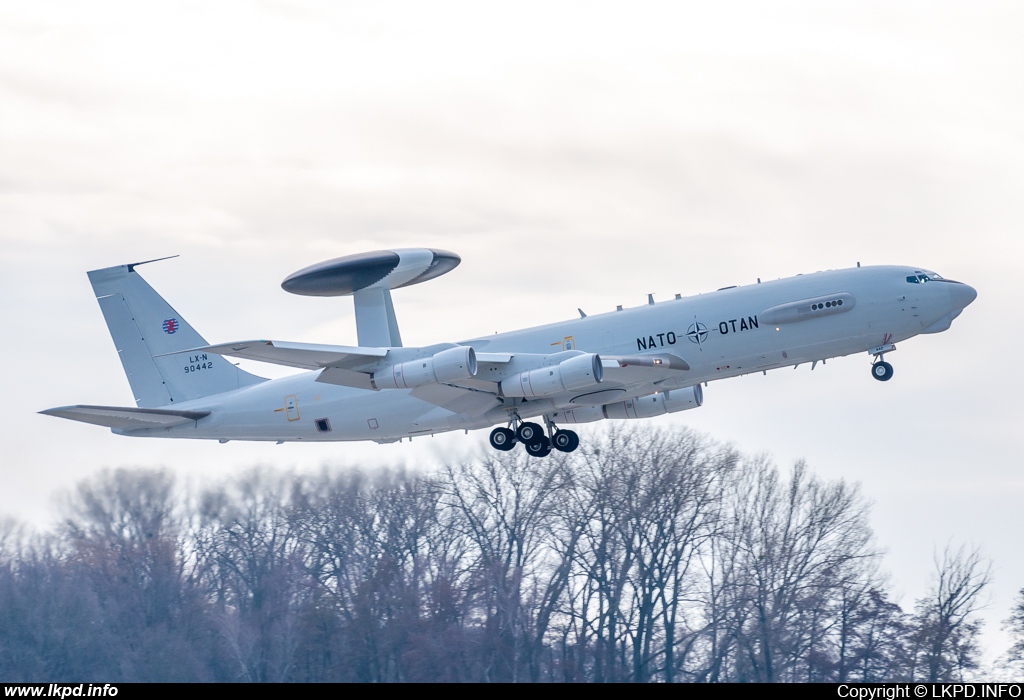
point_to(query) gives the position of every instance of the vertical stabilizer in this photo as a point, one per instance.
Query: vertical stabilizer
(145, 328)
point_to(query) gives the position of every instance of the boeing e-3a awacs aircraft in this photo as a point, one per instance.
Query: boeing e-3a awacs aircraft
(626, 364)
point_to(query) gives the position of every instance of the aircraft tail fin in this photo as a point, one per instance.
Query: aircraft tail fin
(152, 339)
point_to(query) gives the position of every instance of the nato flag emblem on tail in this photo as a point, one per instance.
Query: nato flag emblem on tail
(170, 325)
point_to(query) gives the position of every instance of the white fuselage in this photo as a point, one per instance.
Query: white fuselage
(719, 334)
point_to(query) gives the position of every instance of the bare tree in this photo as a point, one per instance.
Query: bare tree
(798, 545)
(12, 534)
(646, 502)
(1015, 626)
(506, 506)
(650, 555)
(667, 518)
(125, 538)
(390, 571)
(946, 626)
(252, 567)
(874, 632)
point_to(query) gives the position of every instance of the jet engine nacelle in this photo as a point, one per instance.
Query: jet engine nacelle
(578, 372)
(656, 404)
(580, 414)
(684, 399)
(448, 365)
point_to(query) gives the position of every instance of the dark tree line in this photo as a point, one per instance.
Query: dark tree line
(1015, 626)
(656, 555)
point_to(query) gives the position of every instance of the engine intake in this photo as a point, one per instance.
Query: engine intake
(575, 373)
(448, 365)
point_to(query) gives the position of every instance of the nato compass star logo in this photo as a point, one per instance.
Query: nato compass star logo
(697, 333)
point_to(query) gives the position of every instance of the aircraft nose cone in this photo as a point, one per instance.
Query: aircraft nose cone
(962, 294)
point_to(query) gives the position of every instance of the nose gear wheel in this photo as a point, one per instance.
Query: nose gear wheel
(882, 371)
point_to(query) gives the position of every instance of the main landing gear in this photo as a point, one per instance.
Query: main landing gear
(503, 439)
(535, 439)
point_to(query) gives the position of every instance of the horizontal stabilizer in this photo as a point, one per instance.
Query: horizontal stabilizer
(301, 355)
(126, 418)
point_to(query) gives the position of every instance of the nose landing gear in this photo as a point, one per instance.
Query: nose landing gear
(880, 369)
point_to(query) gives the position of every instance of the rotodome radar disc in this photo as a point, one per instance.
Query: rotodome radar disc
(385, 269)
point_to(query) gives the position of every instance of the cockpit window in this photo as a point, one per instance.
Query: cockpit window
(921, 278)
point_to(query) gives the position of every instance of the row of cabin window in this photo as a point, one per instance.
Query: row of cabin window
(837, 302)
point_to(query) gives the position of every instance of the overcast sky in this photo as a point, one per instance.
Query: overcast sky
(575, 155)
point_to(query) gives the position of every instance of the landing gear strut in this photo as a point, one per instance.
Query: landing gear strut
(561, 440)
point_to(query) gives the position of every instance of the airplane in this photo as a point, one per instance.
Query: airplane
(625, 364)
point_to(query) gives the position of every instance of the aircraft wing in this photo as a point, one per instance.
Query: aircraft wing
(126, 418)
(619, 370)
(345, 365)
(457, 399)
(301, 355)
